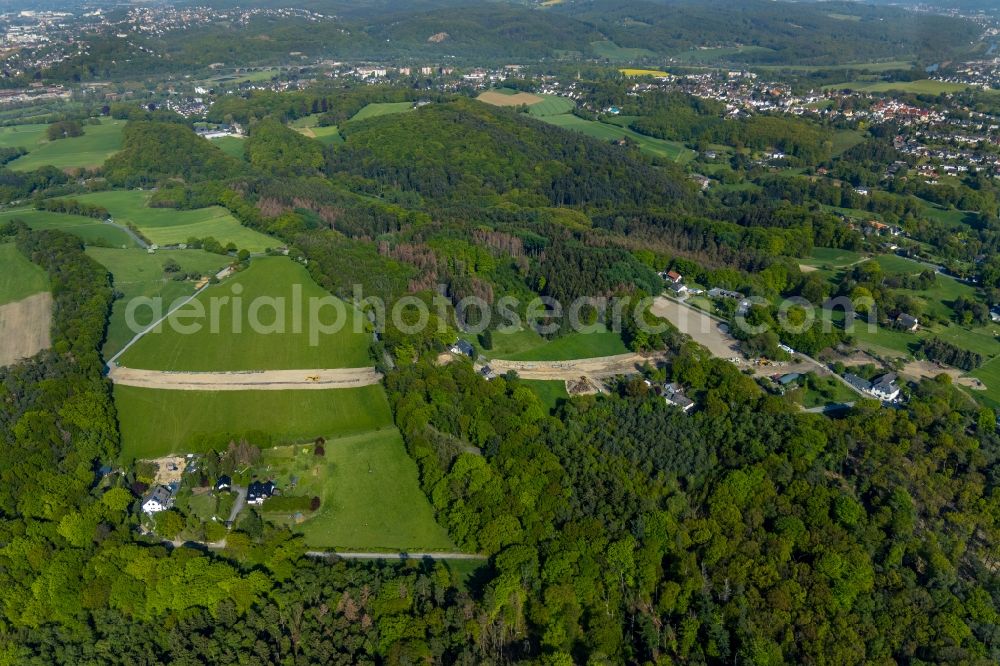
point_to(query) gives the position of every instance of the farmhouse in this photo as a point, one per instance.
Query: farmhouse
(884, 387)
(907, 322)
(158, 499)
(463, 347)
(673, 276)
(677, 288)
(258, 492)
(674, 395)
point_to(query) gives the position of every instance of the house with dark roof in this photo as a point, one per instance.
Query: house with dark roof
(224, 483)
(674, 395)
(885, 388)
(257, 492)
(158, 499)
(907, 322)
(463, 347)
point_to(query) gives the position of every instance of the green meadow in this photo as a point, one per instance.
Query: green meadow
(671, 150)
(922, 86)
(97, 144)
(527, 345)
(611, 51)
(157, 422)
(551, 105)
(87, 229)
(370, 498)
(382, 109)
(231, 145)
(19, 278)
(273, 284)
(167, 226)
(138, 274)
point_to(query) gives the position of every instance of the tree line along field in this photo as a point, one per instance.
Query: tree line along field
(136, 273)
(90, 150)
(368, 490)
(19, 278)
(167, 226)
(157, 422)
(87, 229)
(163, 348)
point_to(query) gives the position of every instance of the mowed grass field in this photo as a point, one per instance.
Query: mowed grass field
(309, 126)
(923, 86)
(549, 392)
(138, 274)
(87, 229)
(370, 497)
(382, 109)
(526, 345)
(19, 278)
(509, 97)
(166, 226)
(671, 150)
(97, 144)
(271, 282)
(158, 422)
(551, 105)
(613, 52)
(231, 145)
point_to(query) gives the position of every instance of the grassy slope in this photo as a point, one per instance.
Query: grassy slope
(166, 349)
(370, 498)
(137, 273)
(90, 150)
(668, 149)
(549, 392)
(166, 226)
(89, 230)
(19, 278)
(155, 422)
(231, 145)
(382, 109)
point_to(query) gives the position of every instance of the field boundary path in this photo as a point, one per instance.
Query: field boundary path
(601, 366)
(252, 380)
(134, 236)
(401, 555)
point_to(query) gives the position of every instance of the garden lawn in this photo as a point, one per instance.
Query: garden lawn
(280, 342)
(19, 278)
(167, 226)
(97, 144)
(370, 497)
(157, 422)
(87, 229)
(138, 274)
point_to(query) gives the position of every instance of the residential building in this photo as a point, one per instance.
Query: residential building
(158, 499)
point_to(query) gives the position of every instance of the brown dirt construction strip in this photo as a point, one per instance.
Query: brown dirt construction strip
(24, 327)
(603, 366)
(266, 380)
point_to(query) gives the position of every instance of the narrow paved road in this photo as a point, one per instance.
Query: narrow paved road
(241, 500)
(825, 409)
(250, 380)
(403, 555)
